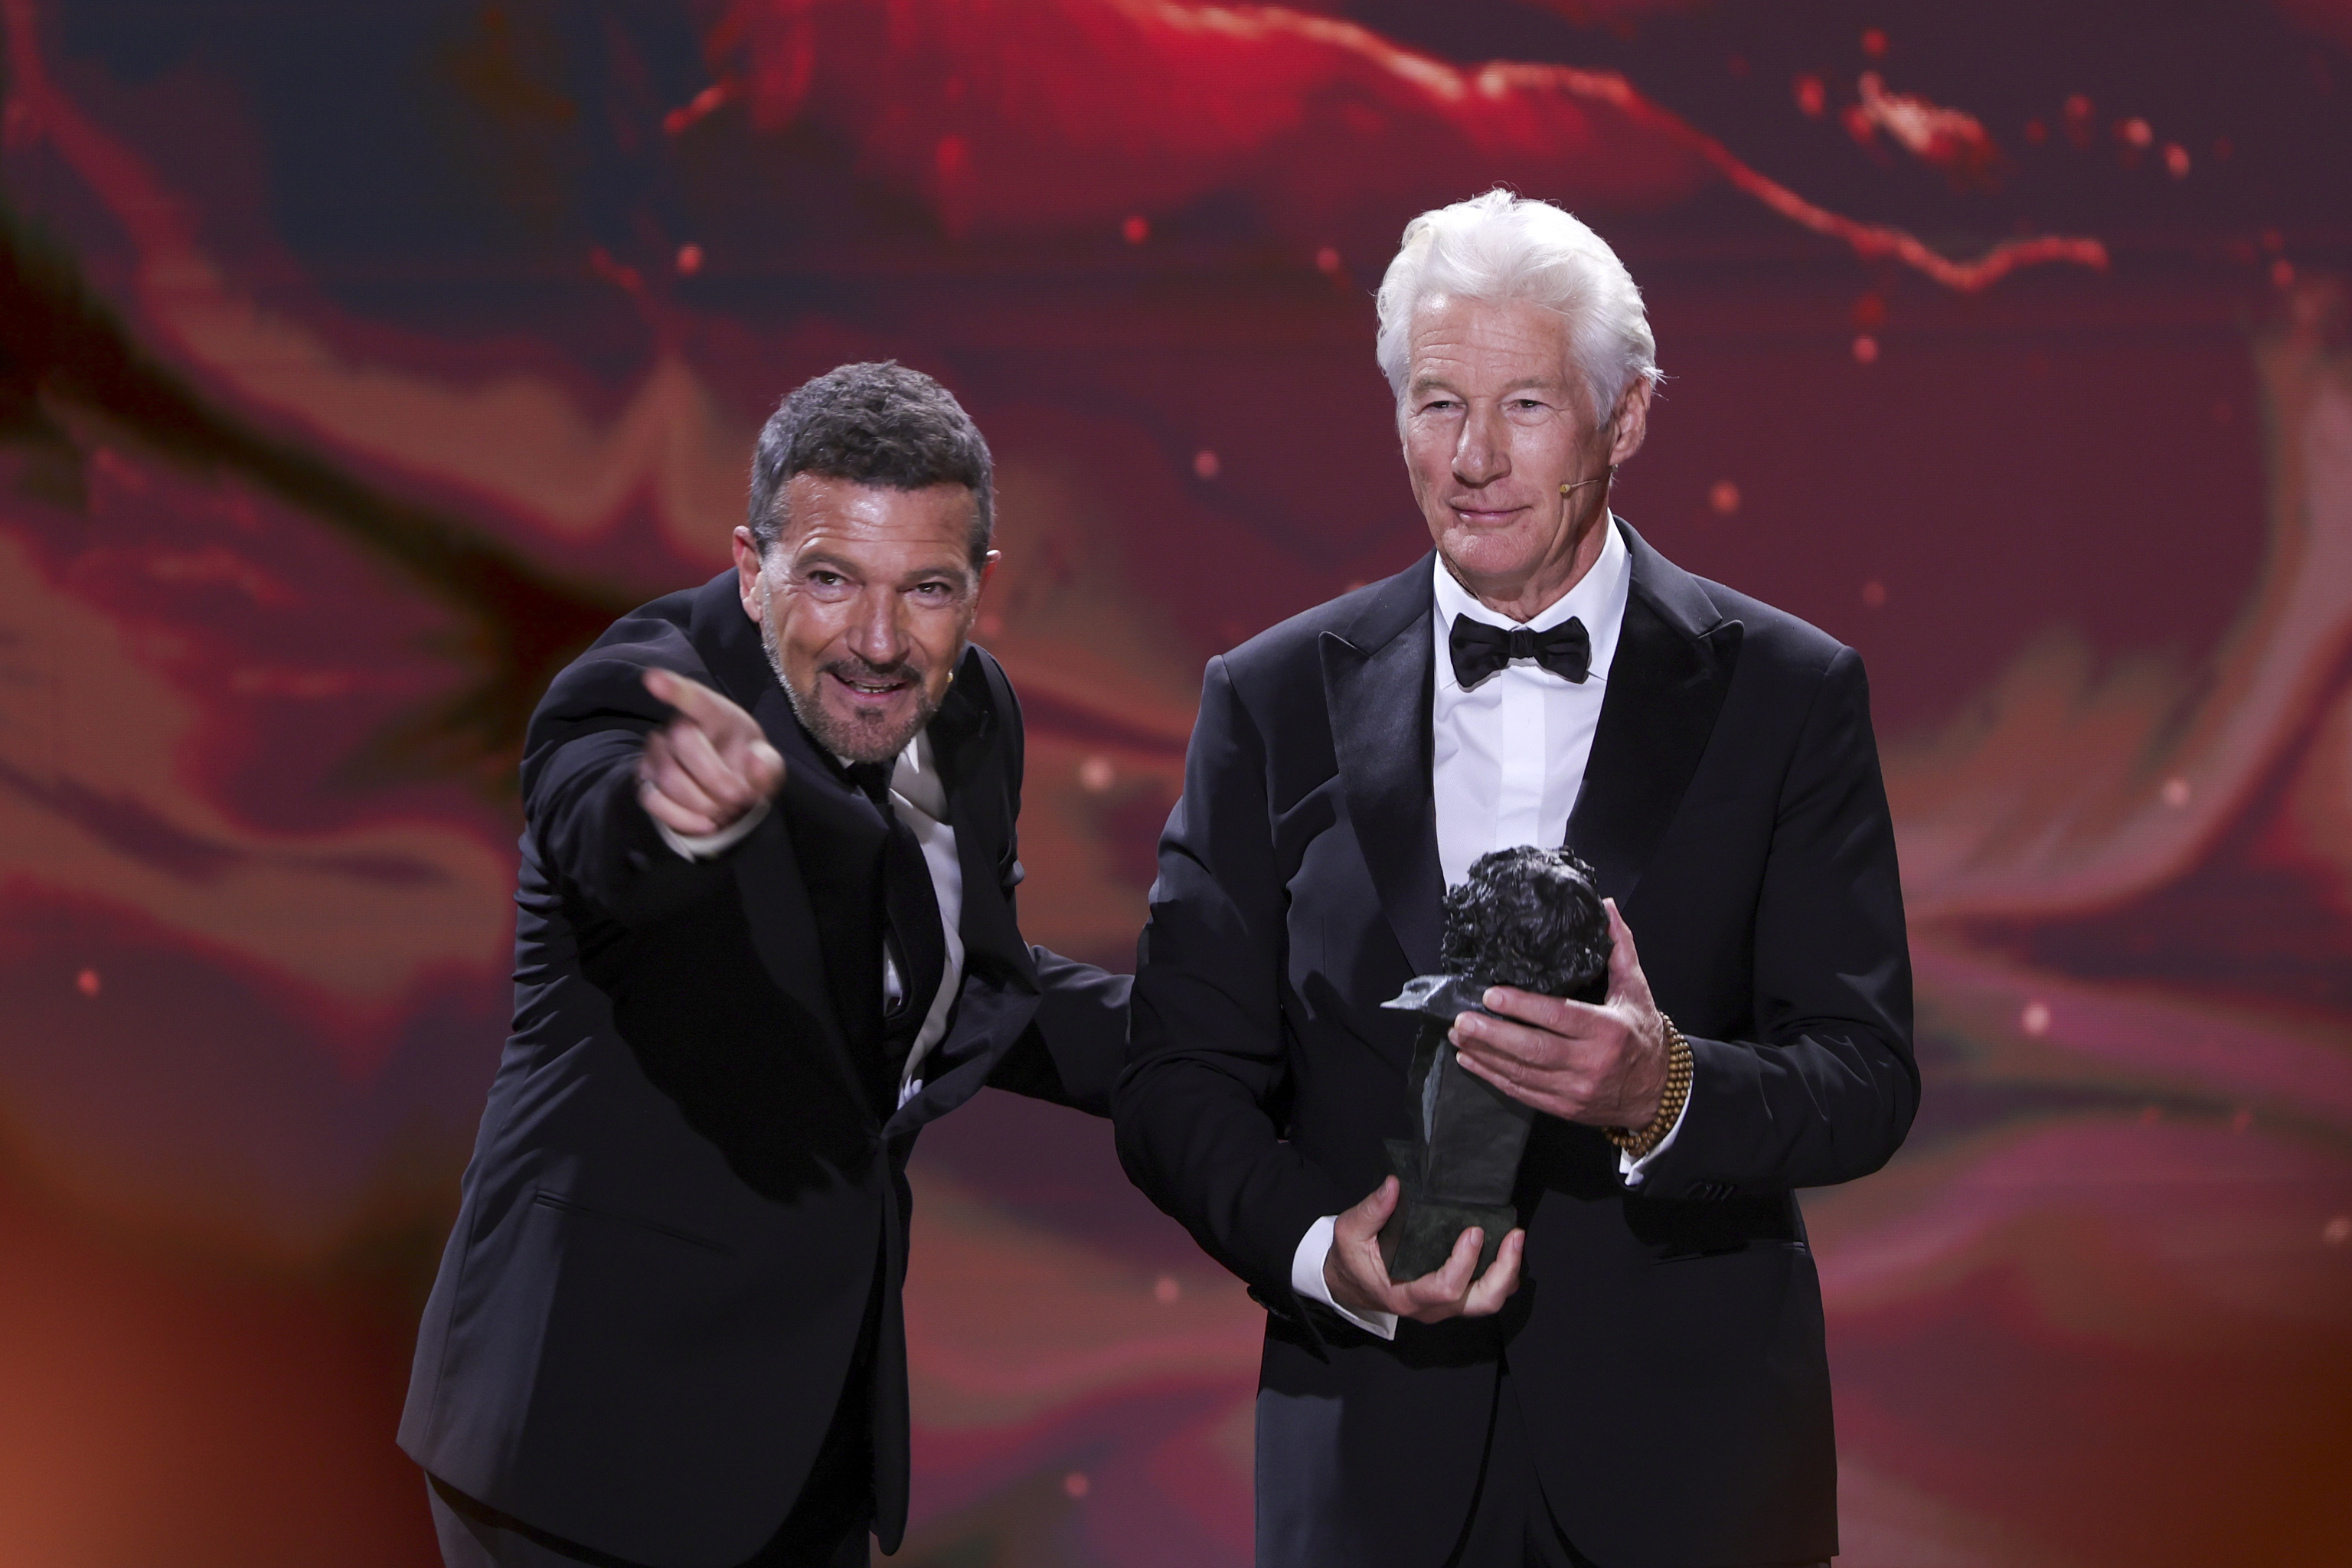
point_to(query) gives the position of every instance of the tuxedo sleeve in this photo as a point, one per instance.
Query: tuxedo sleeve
(1827, 1090)
(1206, 1057)
(1072, 1054)
(579, 791)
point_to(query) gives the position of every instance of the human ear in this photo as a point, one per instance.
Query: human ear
(1630, 426)
(748, 561)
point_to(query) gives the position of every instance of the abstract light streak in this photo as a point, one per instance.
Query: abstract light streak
(1951, 139)
(1144, 100)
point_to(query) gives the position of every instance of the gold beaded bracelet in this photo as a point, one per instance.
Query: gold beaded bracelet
(1670, 1103)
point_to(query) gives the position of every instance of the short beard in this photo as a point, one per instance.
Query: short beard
(859, 741)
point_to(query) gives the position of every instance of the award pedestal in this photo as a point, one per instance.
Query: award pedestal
(1420, 1236)
(1459, 1168)
(1527, 918)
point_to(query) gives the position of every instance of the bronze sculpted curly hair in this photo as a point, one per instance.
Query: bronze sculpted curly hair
(1529, 918)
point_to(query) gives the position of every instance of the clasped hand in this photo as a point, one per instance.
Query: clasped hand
(700, 772)
(1602, 1064)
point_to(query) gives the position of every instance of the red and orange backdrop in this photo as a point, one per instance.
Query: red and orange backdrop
(363, 357)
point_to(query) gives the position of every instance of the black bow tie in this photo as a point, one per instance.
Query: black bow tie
(1479, 649)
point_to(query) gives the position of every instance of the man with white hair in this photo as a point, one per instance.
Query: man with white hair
(1638, 1380)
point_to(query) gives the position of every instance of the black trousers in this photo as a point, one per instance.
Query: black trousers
(1511, 1525)
(830, 1526)
(816, 1534)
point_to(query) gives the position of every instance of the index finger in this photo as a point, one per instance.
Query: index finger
(1501, 1280)
(690, 697)
(678, 692)
(1557, 1015)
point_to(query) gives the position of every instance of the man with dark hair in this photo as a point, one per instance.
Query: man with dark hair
(765, 933)
(884, 424)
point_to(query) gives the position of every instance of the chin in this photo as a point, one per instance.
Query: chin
(870, 737)
(857, 736)
(1489, 555)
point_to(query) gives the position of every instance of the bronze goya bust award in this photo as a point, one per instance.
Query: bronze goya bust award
(1527, 918)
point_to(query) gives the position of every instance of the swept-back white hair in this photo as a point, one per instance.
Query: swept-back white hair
(1501, 247)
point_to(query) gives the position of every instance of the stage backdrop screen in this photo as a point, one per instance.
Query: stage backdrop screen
(362, 359)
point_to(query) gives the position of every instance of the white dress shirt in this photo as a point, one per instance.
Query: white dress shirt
(1506, 764)
(920, 798)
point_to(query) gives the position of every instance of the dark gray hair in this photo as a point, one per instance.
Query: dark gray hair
(872, 424)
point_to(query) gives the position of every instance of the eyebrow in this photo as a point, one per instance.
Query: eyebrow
(1422, 385)
(825, 560)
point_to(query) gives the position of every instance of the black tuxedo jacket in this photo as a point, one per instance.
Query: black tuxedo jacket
(689, 1184)
(1668, 1341)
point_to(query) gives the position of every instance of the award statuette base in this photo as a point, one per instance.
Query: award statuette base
(1420, 1235)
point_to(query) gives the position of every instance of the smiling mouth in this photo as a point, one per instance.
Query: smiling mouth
(872, 686)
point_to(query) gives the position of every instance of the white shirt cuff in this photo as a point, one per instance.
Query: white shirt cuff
(1306, 1278)
(709, 846)
(1634, 1170)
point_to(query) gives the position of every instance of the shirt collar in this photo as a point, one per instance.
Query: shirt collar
(1597, 598)
(917, 779)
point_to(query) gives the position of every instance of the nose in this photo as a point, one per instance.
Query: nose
(1482, 452)
(878, 632)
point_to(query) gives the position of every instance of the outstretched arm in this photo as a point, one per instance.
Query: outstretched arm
(628, 766)
(1072, 1054)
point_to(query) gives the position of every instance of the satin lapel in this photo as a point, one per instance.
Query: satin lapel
(768, 876)
(1376, 683)
(1666, 683)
